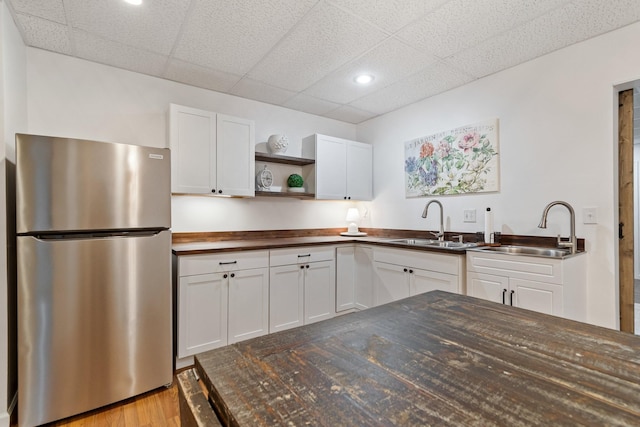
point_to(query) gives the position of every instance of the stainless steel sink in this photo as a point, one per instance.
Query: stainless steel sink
(433, 243)
(526, 250)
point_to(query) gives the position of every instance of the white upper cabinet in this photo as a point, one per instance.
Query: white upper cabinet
(211, 153)
(343, 168)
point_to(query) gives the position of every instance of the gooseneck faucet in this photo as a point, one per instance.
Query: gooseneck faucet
(572, 244)
(440, 233)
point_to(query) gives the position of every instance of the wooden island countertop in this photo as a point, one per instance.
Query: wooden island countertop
(432, 359)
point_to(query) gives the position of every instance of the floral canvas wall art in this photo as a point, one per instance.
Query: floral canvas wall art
(457, 161)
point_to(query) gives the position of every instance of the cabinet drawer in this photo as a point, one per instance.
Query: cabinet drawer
(443, 263)
(301, 255)
(189, 265)
(521, 267)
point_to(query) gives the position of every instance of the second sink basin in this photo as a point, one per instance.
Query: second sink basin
(526, 250)
(433, 243)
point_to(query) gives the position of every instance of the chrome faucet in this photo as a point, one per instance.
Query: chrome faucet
(439, 234)
(573, 241)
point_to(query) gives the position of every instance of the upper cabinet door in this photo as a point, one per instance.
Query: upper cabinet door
(236, 156)
(331, 168)
(192, 137)
(359, 171)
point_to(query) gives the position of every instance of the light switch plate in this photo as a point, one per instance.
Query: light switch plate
(469, 215)
(590, 216)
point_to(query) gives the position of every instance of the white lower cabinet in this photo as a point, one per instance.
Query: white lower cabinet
(401, 273)
(354, 277)
(544, 285)
(531, 295)
(222, 299)
(302, 286)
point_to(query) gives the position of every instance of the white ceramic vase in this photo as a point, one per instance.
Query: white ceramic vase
(278, 143)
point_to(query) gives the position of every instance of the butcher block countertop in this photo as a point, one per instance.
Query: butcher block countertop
(213, 242)
(432, 359)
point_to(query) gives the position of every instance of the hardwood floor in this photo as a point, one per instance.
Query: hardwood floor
(158, 408)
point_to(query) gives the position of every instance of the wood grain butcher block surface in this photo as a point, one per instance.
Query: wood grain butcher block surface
(432, 359)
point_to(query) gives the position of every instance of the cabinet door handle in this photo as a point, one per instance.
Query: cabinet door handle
(406, 269)
(233, 275)
(213, 190)
(228, 262)
(302, 267)
(307, 265)
(225, 276)
(219, 191)
(304, 256)
(410, 271)
(511, 297)
(504, 291)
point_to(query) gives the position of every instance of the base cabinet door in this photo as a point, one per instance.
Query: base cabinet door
(286, 297)
(364, 278)
(319, 291)
(426, 281)
(488, 287)
(248, 304)
(354, 278)
(345, 278)
(202, 311)
(537, 296)
(391, 283)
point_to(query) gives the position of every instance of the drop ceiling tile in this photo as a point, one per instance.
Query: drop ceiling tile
(431, 81)
(389, 15)
(233, 36)
(555, 30)
(45, 34)
(350, 114)
(326, 38)
(460, 24)
(252, 89)
(51, 10)
(153, 26)
(311, 105)
(97, 49)
(388, 62)
(203, 77)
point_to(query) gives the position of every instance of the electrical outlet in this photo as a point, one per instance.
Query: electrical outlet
(590, 216)
(469, 215)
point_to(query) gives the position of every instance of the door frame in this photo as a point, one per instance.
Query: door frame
(625, 210)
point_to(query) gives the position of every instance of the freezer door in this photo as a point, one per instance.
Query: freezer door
(94, 322)
(76, 185)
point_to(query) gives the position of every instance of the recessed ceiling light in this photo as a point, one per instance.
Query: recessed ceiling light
(134, 2)
(364, 79)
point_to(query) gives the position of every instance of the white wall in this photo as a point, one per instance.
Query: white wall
(558, 125)
(13, 118)
(77, 98)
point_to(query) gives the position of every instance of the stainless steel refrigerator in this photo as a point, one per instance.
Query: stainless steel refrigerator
(94, 274)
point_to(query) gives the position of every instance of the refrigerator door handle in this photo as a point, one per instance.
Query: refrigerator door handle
(96, 235)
